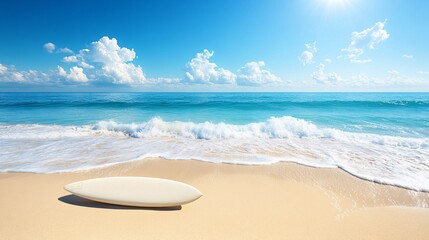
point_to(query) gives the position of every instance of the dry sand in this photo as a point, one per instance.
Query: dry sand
(280, 201)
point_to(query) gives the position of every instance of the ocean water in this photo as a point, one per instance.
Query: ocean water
(381, 137)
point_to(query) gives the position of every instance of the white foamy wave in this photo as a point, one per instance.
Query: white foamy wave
(37, 131)
(281, 128)
(392, 160)
(284, 127)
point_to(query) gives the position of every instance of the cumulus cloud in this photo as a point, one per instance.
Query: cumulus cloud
(307, 55)
(320, 76)
(407, 56)
(49, 47)
(76, 74)
(366, 39)
(115, 61)
(201, 70)
(70, 59)
(251, 74)
(11, 75)
(105, 61)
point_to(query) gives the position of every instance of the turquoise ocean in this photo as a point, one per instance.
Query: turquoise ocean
(381, 137)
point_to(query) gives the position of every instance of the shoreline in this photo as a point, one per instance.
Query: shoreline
(275, 201)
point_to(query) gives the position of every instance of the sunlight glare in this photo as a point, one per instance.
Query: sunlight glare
(337, 3)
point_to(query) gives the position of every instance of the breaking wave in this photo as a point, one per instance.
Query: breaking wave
(401, 161)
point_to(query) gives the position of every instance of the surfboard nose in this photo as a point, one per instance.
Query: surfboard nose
(198, 193)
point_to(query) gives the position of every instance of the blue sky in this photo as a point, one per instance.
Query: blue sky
(273, 45)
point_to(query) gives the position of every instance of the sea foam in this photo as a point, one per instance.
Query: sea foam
(401, 161)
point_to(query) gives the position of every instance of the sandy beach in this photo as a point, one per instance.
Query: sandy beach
(279, 201)
(296, 120)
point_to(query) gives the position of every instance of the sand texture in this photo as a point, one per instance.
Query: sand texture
(280, 201)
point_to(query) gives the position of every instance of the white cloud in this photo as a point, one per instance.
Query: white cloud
(49, 47)
(393, 78)
(306, 58)
(423, 72)
(360, 80)
(12, 75)
(361, 61)
(311, 47)
(163, 80)
(61, 71)
(366, 39)
(64, 50)
(107, 51)
(328, 60)
(307, 55)
(201, 70)
(3, 69)
(115, 61)
(396, 78)
(85, 65)
(81, 61)
(320, 76)
(70, 59)
(251, 74)
(76, 74)
(18, 76)
(407, 56)
(104, 60)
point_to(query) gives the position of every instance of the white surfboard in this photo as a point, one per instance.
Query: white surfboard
(135, 191)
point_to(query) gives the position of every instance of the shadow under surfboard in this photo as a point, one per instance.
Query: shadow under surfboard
(82, 202)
